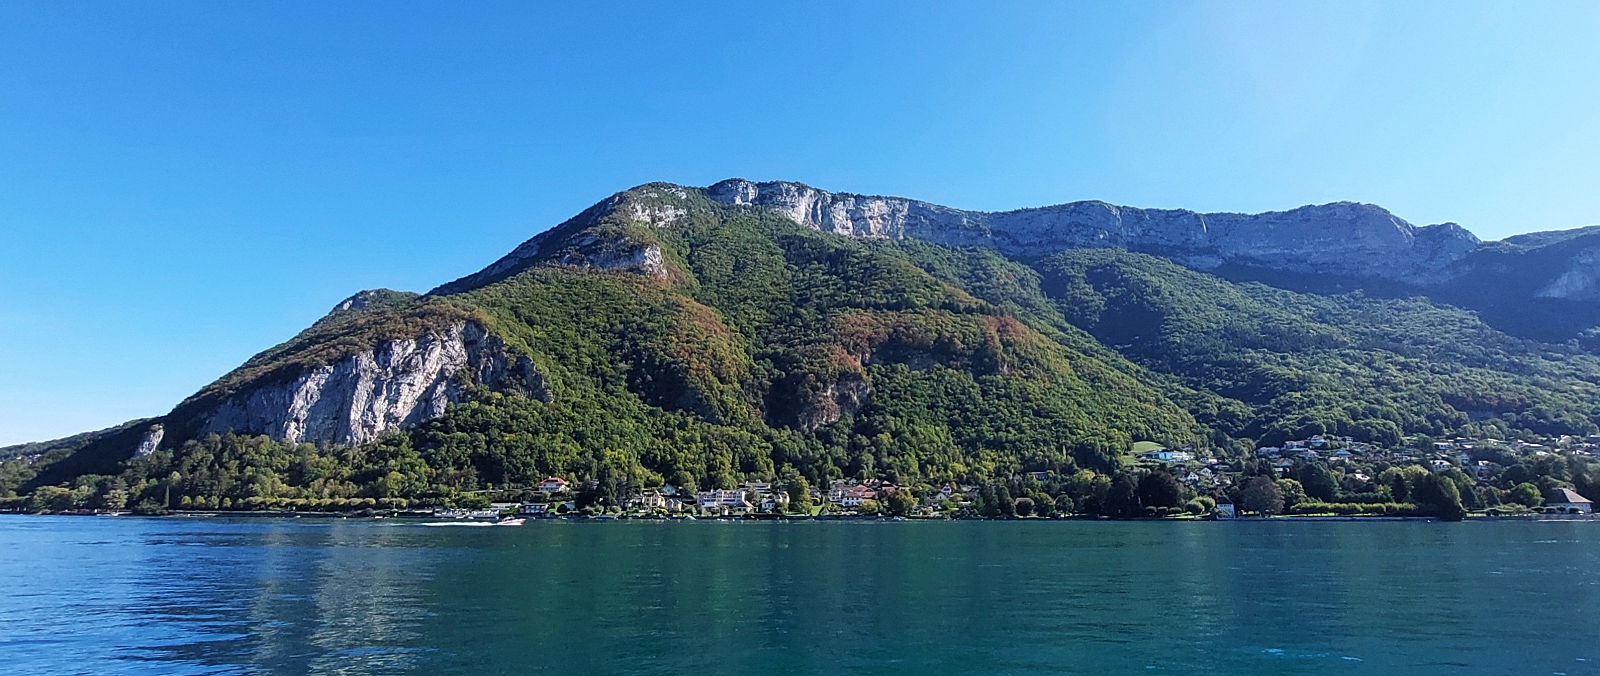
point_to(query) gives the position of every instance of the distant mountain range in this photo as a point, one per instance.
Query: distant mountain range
(707, 333)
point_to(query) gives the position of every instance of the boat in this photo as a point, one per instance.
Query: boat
(509, 522)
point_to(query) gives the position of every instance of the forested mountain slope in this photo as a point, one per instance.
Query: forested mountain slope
(706, 336)
(1349, 365)
(731, 342)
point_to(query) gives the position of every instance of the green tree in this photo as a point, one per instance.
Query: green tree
(1065, 504)
(1291, 491)
(1526, 494)
(1024, 506)
(1002, 497)
(1087, 490)
(1122, 500)
(1043, 505)
(1260, 495)
(1318, 482)
(50, 499)
(1160, 489)
(899, 503)
(987, 504)
(115, 498)
(798, 488)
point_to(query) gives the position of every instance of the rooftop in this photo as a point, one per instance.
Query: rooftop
(1566, 496)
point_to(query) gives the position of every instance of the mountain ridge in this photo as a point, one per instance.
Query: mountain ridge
(1206, 239)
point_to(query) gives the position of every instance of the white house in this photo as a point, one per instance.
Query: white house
(774, 500)
(723, 500)
(553, 484)
(851, 495)
(650, 500)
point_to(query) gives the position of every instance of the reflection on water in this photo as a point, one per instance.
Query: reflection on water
(275, 596)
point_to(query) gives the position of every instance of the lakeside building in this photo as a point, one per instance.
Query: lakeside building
(1567, 501)
(726, 501)
(775, 501)
(650, 500)
(553, 484)
(851, 495)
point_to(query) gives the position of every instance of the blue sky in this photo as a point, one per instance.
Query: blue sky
(185, 184)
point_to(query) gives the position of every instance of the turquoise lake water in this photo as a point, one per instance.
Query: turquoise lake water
(306, 596)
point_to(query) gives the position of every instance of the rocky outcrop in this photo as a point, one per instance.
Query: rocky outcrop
(845, 396)
(644, 259)
(397, 383)
(803, 402)
(150, 442)
(371, 298)
(1579, 281)
(1342, 238)
(578, 242)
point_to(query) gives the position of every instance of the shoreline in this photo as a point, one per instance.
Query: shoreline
(417, 516)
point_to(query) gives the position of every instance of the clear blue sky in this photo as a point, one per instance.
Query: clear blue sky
(185, 184)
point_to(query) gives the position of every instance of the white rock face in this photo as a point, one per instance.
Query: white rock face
(151, 441)
(656, 214)
(646, 260)
(1343, 237)
(1581, 281)
(398, 383)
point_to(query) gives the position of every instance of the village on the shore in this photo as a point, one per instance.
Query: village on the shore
(1315, 477)
(1320, 476)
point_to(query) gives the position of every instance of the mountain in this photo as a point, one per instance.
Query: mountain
(1542, 285)
(702, 335)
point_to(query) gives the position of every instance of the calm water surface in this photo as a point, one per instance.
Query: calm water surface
(85, 595)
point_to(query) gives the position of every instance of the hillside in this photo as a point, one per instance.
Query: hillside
(703, 337)
(732, 343)
(1348, 365)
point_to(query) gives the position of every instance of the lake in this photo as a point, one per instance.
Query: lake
(313, 596)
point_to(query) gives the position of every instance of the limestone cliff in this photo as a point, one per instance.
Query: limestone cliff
(397, 383)
(151, 441)
(1342, 237)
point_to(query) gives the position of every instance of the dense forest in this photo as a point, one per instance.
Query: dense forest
(763, 350)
